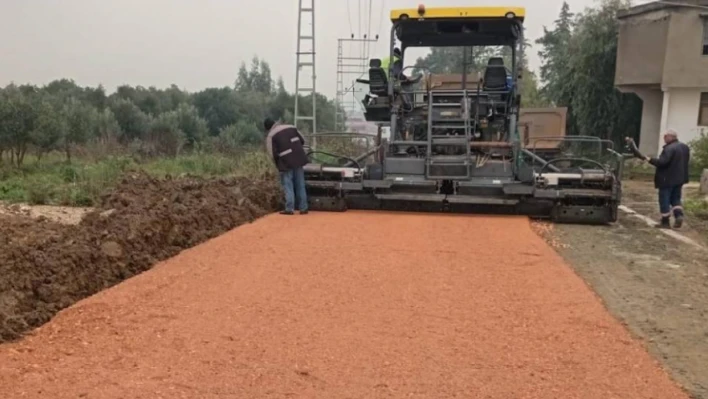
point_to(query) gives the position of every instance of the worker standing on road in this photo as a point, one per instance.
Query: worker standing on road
(285, 144)
(671, 174)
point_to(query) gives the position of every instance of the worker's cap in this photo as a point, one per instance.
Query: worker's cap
(268, 123)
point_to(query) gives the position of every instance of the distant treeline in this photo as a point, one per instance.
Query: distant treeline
(63, 116)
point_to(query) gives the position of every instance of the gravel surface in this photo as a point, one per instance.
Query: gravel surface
(351, 305)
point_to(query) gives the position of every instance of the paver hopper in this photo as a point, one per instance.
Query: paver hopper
(461, 142)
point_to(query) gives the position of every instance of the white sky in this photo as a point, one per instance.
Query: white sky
(194, 43)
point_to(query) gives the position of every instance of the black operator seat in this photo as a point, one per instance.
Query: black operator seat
(378, 82)
(495, 75)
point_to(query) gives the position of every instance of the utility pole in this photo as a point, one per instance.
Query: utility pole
(306, 61)
(349, 66)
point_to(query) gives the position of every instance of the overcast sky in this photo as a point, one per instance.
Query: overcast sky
(194, 43)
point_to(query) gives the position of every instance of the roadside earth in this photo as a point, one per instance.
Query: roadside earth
(642, 197)
(58, 214)
(52, 257)
(653, 283)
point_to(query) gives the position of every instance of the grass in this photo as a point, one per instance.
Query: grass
(697, 207)
(54, 182)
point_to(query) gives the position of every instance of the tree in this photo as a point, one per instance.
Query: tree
(50, 127)
(241, 134)
(132, 121)
(17, 120)
(578, 66)
(555, 72)
(96, 97)
(165, 135)
(64, 89)
(63, 115)
(598, 107)
(554, 54)
(80, 123)
(258, 78)
(243, 82)
(530, 94)
(219, 107)
(106, 126)
(188, 121)
(264, 84)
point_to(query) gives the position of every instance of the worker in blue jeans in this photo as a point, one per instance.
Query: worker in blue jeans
(293, 183)
(671, 174)
(286, 145)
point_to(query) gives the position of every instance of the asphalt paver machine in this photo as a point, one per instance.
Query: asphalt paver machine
(453, 140)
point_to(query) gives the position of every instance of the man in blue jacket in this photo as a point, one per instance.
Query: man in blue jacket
(671, 174)
(286, 145)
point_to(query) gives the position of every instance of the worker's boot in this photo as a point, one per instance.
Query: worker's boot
(678, 222)
(665, 223)
(287, 212)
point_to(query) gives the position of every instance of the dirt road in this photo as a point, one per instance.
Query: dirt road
(352, 305)
(655, 284)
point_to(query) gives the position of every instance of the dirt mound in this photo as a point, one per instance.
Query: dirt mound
(47, 267)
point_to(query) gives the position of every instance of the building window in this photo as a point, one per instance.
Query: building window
(705, 36)
(703, 110)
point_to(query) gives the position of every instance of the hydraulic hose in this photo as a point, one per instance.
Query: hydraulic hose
(351, 160)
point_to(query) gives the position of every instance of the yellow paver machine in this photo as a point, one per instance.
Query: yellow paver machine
(460, 141)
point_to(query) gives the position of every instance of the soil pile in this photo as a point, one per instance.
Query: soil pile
(46, 267)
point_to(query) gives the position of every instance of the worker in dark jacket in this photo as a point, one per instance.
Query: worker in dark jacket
(671, 174)
(285, 144)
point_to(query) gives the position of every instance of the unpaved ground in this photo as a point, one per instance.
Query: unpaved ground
(59, 214)
(46, 266)
(643, 198)
(351, 305)
(656, 285)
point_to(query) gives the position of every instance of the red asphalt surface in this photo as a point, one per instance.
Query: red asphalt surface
(343, 305)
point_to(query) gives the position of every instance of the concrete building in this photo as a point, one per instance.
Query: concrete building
(662, 56)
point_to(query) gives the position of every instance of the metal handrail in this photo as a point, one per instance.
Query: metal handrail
(340, 134)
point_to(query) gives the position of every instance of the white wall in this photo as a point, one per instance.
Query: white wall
(680, 112)
(649, 136)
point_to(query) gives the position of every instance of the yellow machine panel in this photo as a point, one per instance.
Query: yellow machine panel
(459, 12)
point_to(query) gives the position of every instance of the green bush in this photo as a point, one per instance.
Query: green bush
(68, 173)
(41, 191)
(697, 207)
(699, 153)
(256, 164)
(54, 182)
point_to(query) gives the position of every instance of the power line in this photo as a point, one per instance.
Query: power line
(381, 15)
(368, 31)
(359, 12)
(349, 17)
